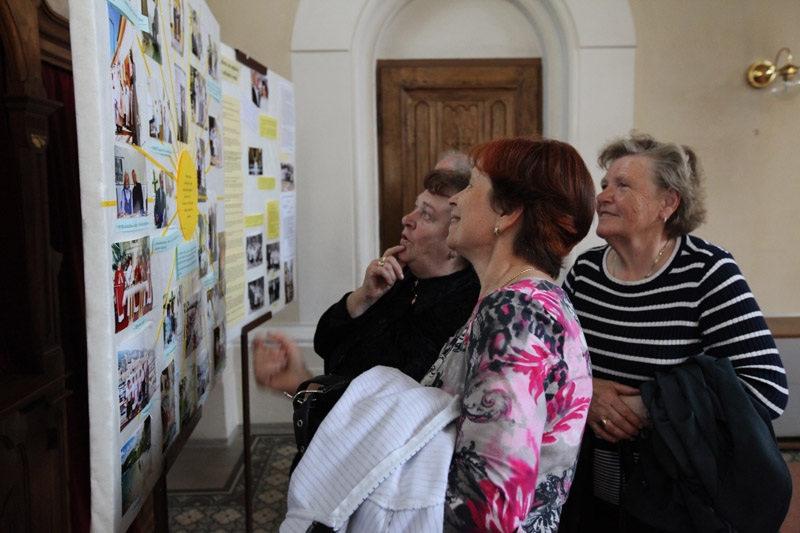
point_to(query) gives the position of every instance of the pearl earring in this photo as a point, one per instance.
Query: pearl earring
(496, 231)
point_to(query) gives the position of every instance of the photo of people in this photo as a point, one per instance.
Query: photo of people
(151, 41)
(123, 78)
(176, 25)
(193, 327)
(214, 142)
(187, 389)
(213, 59)
(255, 161)
(273, 257)
(259, 90)
(288, 280)
(255, 294)
(202, 252)
(221, 263)
(198, 97)
(254, 247)
(197, 41)
(160, 210)
(180, 103)
(200, 159)
(204, 373)
(287, 177)
(213, 246)
(132, 280)
(274, 290)
(136, 367)
(136, 458)
(219, 348)
(132, 193)
(159, 111)
(169, 425)
(170, 327)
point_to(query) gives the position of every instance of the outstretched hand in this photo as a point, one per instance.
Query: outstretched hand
(617, 411)
(278, 363)
(381, 275)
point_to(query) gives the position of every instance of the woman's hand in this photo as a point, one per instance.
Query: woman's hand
(278, 363)
(381, 275)
(617, 411)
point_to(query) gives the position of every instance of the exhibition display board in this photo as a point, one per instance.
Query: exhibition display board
(187, 194)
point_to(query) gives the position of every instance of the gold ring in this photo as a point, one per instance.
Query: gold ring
(382, 261)
(603, 421)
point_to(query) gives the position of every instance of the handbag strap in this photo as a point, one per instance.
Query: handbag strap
(305, 399)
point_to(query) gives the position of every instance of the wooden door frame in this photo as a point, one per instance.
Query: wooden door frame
(395, 78)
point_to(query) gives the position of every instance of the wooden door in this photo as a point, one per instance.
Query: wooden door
(427, 107)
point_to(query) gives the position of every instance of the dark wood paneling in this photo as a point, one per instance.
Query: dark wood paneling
(426, 107)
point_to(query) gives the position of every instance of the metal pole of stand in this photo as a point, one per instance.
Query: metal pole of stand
(248, 460)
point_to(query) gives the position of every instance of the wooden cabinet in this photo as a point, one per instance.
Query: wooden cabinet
(34, 484)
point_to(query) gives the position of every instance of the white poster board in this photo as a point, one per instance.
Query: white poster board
(149, 105)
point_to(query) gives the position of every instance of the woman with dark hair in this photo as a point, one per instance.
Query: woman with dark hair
(649, 300)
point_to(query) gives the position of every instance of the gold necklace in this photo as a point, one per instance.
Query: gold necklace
(414, 288)
(652, 268)
(518, 274)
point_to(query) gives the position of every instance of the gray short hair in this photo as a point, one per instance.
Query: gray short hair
(675, 166)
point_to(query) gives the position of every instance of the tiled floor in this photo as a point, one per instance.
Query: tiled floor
(210, 467)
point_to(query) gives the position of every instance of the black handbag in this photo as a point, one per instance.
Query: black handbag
(312, 402)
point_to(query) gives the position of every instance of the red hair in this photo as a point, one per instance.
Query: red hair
(549, 180)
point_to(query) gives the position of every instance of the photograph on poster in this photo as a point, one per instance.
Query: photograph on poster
(170, 327)
(197, 41)
(255, 161)
(202, 252)
(214, 142)
(169, 426)
(213, 59)
(255, 294)
(288, 280)
(213, 246)
(254, 246)
(204, 373)
(160, 209)
(193, 327)
(188, 389)
(287, 177)
(136, 371)
(137, 465)
(176, 25)
(221, 263)
(198, 97)
(180, 98)
(219, 348)
(132, 281)
(123, 78)
(259, 90)
(200, 162)
(274, 290)
(273, 257)
(159, 111)
(151, 41)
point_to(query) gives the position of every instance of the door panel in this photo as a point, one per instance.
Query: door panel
(427, 107)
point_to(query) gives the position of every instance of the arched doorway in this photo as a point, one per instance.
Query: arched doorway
(588, 66)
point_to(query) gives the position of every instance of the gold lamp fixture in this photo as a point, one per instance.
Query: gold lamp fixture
(762, 73)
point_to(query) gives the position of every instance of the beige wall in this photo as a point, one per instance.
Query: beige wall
(261, 29)
(690, 62)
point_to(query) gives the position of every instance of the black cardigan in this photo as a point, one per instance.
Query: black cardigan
(713, 461)
(396, 332)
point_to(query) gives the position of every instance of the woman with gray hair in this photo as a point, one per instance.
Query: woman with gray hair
(650, 299)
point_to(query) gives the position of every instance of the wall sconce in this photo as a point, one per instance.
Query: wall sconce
(762, 73)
